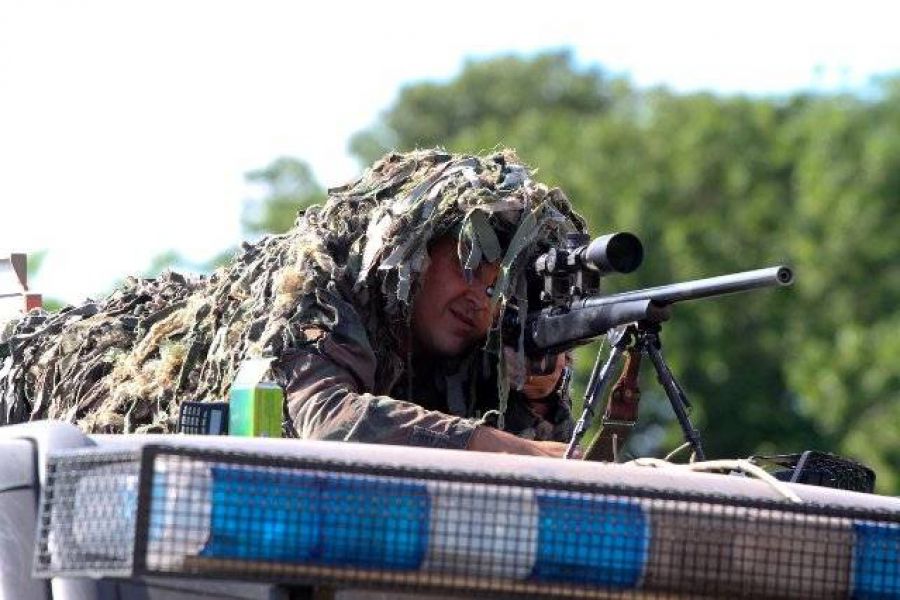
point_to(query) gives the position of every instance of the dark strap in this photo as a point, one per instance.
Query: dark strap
(621, 412)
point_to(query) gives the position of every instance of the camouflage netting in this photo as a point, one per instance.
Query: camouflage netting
(125, 362)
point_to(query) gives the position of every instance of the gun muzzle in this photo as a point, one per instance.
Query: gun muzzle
(784, 275)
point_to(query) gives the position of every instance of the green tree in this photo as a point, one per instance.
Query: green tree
(845, 241)
(35, 262)
(488, 97)
(714, 184)
(171, 259)
(289, 187)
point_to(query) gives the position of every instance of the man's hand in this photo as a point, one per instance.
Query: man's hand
(540, 385)
(537, 386)
(488, 439)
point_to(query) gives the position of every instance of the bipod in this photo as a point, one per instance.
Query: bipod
(629, 343)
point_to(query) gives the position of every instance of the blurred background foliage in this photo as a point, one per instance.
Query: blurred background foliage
(711, 184)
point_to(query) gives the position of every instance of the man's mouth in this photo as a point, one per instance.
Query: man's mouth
(466, 319)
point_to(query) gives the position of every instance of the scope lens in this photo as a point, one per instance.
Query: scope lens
(625, 252)
(618, 252)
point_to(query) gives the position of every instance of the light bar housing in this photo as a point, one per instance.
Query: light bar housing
(189, 511)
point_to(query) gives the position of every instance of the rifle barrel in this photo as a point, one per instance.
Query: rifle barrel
(698, 288)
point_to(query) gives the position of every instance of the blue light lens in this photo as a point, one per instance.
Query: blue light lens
(591, 540)
(876, 566)
(264, 514)
(374, 524)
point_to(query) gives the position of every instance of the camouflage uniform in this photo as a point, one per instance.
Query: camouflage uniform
(332, 395)
(330, 298)
(341, 385)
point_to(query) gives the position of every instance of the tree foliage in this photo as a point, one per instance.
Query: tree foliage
(289, 187)
(714, 184)
(35, 262)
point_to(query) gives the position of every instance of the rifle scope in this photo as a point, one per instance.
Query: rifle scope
(620, 252)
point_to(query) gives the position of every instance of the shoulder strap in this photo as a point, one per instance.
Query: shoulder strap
(621, 412)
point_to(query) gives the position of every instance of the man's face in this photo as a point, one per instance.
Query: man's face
(449, 315)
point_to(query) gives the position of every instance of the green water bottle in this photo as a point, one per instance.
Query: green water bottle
(255, 401)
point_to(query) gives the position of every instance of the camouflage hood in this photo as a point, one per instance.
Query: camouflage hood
(123, 363)
(373, 234)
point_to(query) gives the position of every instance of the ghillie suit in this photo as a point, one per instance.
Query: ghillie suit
(124, 363)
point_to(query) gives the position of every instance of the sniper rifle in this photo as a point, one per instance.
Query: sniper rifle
(565, 283)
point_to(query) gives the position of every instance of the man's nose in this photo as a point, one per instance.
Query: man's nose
(479, 294)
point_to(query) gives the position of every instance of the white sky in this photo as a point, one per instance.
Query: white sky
(126, 128)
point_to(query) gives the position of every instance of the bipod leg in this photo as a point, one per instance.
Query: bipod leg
(648, 338)
(597, 384)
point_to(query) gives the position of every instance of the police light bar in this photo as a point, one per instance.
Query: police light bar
(188, 511)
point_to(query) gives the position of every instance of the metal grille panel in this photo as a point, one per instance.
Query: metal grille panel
(244, 516)
(87, 514)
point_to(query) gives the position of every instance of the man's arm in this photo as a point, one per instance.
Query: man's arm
(326, 400)
(324, 384)
(488, 439)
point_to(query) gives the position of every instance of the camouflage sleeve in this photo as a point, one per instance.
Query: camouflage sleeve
(326, 385)
(557, 425)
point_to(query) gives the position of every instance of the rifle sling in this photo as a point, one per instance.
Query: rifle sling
(620, 414)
